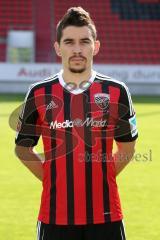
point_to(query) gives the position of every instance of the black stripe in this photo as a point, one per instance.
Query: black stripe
(104, 167)
(49, 116)
(88, 164)
(69, 159)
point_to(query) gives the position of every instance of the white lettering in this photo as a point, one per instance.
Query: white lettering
(88, 122)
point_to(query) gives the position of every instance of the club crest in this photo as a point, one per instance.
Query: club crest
(102, 100)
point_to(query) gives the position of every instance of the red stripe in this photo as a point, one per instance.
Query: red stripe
(97, 175)
(115, 207)
(78, 162)
(61, 176)
(45, 198)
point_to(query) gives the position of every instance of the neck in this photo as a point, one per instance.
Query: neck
(76, 78)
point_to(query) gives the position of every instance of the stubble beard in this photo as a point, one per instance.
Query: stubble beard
(73, 70)
(76, 70)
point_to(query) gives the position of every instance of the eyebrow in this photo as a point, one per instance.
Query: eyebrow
(68, 39)
(86, 39)
(71, 39)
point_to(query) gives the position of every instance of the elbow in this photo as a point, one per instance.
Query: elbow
(23, 152)
(130, 152)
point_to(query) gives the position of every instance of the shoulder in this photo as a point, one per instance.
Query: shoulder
(47, 81)
(44, 82)
(110, 81)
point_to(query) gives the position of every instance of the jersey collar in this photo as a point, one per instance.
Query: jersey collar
(77, 90)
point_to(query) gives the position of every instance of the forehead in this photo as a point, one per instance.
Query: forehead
(74, 32)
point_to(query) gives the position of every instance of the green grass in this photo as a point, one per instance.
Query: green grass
(139, 184)
(19, 190)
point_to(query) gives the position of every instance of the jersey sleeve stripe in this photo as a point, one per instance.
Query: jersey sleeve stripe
(130, 100)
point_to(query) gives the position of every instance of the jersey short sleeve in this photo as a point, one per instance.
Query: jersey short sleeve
(126, 127)
(28, 129)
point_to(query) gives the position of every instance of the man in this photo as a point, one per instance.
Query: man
(78, 112)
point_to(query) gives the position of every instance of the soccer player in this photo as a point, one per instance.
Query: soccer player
(79, 113)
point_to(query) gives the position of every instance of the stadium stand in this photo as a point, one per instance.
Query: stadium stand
(44, 30)
(15, 15)
(137, 31)
(129, 31)
(136, 10)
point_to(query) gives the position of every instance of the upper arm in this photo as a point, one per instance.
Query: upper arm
(28, 132)
(126, 146)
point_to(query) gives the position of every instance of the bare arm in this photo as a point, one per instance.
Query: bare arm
(31, 160)
(123, 155)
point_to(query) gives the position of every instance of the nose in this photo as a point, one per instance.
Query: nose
(77, 49)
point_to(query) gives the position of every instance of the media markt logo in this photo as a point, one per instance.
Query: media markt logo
(79, 123)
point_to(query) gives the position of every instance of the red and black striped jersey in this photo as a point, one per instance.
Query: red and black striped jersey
(78, 129)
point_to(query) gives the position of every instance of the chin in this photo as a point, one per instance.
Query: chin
(74, 70)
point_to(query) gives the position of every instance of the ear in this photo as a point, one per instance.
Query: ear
(96, 47)
(57, 49)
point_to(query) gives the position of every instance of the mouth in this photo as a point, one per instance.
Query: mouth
(77, 59)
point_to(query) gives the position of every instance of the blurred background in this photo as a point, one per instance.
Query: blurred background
(129, 31)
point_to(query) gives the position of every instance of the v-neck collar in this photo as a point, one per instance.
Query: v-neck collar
(77, 90)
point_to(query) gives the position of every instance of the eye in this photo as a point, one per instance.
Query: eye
(68, 42)
(85, 41)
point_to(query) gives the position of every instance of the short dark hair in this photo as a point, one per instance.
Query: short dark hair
(76, 16)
